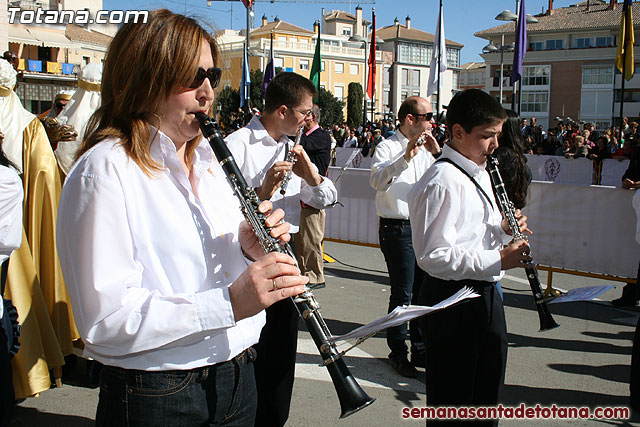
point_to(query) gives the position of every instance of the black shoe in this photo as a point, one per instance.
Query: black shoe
(418, 359)
(629, 296)
(404, 368)
(624, 302)
(314, 286)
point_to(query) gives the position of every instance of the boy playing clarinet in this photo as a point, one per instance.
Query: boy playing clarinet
(459, 241)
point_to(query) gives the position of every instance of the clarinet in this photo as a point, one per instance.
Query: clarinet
(509, 212)
(290, 157)
(351, 396)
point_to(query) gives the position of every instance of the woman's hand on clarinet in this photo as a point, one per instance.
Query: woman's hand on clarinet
(273, 179)
(279, 230)
(517, 254)
(267, 281)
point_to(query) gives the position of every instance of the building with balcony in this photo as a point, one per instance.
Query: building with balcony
(50, 55)
(408, 72)
(343, 61)
(473, 75)
(569, 67)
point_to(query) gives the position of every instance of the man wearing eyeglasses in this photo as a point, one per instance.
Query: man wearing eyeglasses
(260, 149)
(398, 163)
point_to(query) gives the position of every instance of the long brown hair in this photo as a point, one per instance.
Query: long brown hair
(144, 65)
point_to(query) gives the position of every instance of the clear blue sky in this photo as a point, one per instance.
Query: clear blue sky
(462, 18)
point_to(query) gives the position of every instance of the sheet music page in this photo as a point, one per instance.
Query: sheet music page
(403, 314)
(582, 294)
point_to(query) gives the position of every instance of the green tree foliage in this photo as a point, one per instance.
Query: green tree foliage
(257, 77)
(227, 102)
(228, 99)
(330, 107)
(354, 104)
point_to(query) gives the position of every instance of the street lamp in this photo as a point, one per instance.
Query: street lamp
(490, 48)
(507, 15)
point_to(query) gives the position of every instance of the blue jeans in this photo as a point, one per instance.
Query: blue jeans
(405, 278)
(215, 395)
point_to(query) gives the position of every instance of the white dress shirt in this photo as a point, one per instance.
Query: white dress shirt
(148, 263)
(392, 176)
(456, 232)
(10, 215)
(10, 212)
(255, 151)
(351, 142)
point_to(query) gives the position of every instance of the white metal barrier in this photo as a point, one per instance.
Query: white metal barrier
(576, 227)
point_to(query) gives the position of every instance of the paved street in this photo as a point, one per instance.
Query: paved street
(584, 362)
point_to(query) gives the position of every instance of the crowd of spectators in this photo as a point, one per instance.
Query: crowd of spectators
(569, 138)
(574, 140)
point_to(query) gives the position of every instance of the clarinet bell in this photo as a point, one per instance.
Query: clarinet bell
(546, 320)
(351, 396)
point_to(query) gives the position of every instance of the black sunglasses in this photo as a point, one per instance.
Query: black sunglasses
(427, 116)
(213, 74)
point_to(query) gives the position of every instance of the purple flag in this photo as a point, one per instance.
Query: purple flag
(270, 71)
(521, 44)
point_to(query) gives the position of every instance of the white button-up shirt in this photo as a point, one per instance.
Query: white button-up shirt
(10, 215)
(392, 176)
(255, 151)
(148, 264)
(456, 232)
(10, 212)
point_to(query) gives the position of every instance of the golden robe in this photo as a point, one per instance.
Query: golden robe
(35, 283)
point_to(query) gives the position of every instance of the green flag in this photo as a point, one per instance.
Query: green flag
(316, 66)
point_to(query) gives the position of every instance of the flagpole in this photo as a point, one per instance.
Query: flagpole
(373, 64)
(247, 90)
(624, 69)
(517, 89)
(364, 95)
(439, 59)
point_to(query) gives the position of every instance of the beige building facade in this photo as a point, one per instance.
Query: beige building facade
(51, 55)
(343, 61)
(568, 69)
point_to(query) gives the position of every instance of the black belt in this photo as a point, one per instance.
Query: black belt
(394, 221)
(247, 356)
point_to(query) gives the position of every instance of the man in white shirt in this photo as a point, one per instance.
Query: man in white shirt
(458, 238)
(259, 150)
(350, 140)
(398, 163)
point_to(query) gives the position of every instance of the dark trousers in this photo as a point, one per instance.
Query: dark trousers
(631, 291)
(276, 362)
(466, 346)
(216, 395)
(7, 397)
(634, 380)
(405, 279)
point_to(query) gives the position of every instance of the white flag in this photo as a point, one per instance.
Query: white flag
(439, 50)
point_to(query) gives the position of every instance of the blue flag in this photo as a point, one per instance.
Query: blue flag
(245, 84)
(521, 44)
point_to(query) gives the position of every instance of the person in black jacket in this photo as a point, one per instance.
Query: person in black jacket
(308, 243)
